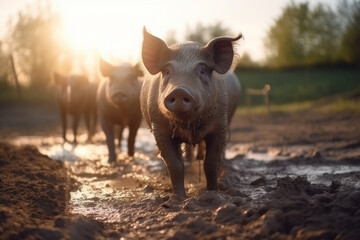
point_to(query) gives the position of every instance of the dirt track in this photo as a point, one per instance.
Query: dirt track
(288, 177)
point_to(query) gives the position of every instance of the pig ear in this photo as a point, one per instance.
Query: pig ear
(58, 78)
(220, 52)
(105, 68)
(155, 53)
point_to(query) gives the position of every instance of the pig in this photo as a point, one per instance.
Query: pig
(118, 104)
(75, 96)
(90, 109)
(189, 96)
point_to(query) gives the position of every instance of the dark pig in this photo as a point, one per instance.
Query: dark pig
(90, 109)
(75, 95)
(118, 103)
(189, 96)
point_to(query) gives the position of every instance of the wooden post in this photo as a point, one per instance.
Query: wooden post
(248, 100)
(15, 77)
(264, 91)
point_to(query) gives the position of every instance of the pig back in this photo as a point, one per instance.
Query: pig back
(149, 98)
(71, 93)
(233, 93)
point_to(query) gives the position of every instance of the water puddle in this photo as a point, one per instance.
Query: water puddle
(104, 187)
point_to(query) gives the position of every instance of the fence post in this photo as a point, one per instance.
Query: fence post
(264, 91)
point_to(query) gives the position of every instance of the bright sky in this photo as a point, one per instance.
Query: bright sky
(115, 27)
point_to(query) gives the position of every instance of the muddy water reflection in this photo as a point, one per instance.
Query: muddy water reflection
(102, 188)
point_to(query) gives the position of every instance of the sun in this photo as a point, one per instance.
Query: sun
(113, 28)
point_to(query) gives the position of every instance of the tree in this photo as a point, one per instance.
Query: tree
(35, 39)
(4, 67)
(203, 34)
(303, 36)
(245, 61)
(351, 37)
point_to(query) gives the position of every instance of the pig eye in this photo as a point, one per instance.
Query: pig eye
(204, 72)
(166, 74)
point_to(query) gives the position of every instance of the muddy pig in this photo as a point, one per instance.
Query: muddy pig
(76, 97)
(118, 103)
(189, 96)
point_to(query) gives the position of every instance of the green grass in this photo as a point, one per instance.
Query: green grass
(326, 90)
(340, 104)
(10, 94)
(300, 85)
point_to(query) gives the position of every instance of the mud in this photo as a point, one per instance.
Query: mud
(288, 176)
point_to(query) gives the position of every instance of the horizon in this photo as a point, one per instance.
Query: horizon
(113, 29)
(103, 23)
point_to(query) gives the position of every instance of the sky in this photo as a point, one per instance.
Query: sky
(114, 27)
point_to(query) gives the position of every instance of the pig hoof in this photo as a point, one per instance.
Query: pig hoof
(111, 160)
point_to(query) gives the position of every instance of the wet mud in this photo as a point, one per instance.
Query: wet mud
(285, 177)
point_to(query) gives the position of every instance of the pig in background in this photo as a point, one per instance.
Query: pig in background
(119, 105)
(189, 97)
(76, 97)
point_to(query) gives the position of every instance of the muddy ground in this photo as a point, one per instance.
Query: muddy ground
(288, 176)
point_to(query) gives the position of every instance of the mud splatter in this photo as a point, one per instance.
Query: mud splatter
(278, 182)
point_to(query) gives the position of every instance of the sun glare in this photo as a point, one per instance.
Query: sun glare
(107, 29)
(111, 28)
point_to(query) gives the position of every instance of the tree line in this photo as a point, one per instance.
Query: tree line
(303, 35)
(306, 36)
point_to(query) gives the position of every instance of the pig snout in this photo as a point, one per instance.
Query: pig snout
(120, 98)
(180, 100)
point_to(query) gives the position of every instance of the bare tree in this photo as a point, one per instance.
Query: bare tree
(35, 39)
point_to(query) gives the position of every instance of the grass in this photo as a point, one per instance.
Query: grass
(28, 95)
(339, 104)
(300, 85)
(325, 90)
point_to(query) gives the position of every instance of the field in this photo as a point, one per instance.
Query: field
(301, 85)
(293, 174)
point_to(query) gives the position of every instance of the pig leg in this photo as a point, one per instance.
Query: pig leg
(109, 134)
(76, 121)
(88, 127)
(120, 133)
(63, 124)
(131, 140)
(133, 128)
(94, 122)
(189, 153)
(214, 148)
(200, 150)
(170, 152)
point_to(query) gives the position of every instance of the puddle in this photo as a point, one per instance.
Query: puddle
(315, 173)
(105, 187)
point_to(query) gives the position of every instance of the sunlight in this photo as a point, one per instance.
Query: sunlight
(111, 28)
